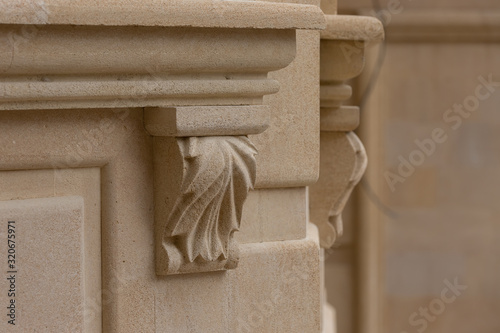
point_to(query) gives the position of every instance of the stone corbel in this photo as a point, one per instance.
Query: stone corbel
(204, 167)
(342, 157)
(200, 71)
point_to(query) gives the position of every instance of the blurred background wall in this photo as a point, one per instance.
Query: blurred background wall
(421, 250)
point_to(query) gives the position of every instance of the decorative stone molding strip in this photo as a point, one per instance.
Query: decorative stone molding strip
(343, 157)
(114, 53)
(202, 93)
(111, 94)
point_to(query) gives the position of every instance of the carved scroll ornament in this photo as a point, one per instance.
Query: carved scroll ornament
(204, 167)
(218, 172)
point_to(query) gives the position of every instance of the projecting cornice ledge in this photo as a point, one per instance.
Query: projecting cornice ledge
(352, 28)
(128, 53)
(165, 13)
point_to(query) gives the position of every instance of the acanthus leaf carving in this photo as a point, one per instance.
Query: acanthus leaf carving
(218, 172)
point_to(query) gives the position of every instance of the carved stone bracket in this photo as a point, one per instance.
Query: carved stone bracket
(342, 158)
(217, 172)
(201, 185)
(204, 167)
(201, 182)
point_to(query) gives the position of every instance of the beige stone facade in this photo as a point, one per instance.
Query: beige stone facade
(156, 158)
(186, 166)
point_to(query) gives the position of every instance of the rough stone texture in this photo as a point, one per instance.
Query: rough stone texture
(265, 221)
(292, 160)
(198, 54)
(88, 74)
(160, 79)
(294, 113)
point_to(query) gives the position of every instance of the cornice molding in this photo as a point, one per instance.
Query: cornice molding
(164, 13)
(131, 67)
(84, 52)
(134, 93)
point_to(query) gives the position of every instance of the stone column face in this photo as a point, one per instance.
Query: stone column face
(133, 149)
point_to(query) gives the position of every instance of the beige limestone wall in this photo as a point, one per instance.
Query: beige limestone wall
(85, 178)
(293, 159)
(440, 224)
(256, 297)
(443, 224)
